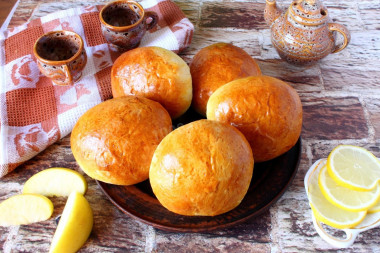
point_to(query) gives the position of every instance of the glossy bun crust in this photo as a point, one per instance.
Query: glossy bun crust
(202, 168)
(155, 73)
(266, 110)
(115, 140)
(216, 65)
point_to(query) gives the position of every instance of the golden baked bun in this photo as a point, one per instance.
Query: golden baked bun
(266, 110)
(216, 65)
(155, 73)
(202, 168)
(115, 140)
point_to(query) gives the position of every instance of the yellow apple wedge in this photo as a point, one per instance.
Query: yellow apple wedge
(75, 225)
(56, 182)
(24, 209)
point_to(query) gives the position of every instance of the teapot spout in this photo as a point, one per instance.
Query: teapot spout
(271, 12)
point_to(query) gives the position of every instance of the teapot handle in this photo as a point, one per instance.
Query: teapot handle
(345, 33)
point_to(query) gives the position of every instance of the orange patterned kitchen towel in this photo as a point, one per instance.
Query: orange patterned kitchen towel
(34, 113)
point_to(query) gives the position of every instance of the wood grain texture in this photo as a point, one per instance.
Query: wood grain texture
(301, 78)
(373, 107)
(340, 97)
(361, 77)
(5, 7)
(331, 118)
(369, 15)
(244, 15)
(200, 243)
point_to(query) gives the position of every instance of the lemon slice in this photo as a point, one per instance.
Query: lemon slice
(346, 198)
(56, 182)
(75, 225)
(326, 212)
(375, 208)
(354, 167)
(25, 209)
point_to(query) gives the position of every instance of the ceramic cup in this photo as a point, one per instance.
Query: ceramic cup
(61, 56)
(124, 23)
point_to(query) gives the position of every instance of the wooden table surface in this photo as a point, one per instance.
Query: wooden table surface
(341, 103)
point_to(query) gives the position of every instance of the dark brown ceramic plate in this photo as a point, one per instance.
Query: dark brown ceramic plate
(270, 180)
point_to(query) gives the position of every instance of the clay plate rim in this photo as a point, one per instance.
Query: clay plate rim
(137, 200)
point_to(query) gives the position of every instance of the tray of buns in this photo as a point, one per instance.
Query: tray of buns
(191, 148)
(269, 182)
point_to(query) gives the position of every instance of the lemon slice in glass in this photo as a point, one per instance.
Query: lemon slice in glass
(346, 198)
(326, 212)
(354, 167)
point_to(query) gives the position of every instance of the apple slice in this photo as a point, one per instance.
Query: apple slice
(25, 209)
(56, 182)
(75, 225)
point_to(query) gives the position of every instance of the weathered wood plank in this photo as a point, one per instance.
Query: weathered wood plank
(369, 14)
(344, 13)
(355, 52)
(356, 77)
(6, 7)
(329, 118)
(373, 107)
(305, 162)
(242, 15)
(268, 52)
(256, 229)
(5, 236)
(303, 79)
(199, 243)
(246, 40)
(113, 230)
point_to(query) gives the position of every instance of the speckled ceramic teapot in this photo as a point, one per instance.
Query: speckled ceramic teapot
(302, 35)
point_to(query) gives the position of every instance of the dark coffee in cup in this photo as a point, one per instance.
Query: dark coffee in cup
(58, 47)
(125, 22)
(61, 56)
(120, 15)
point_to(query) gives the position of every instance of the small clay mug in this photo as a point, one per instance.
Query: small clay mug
(61, 56)
(124, 23)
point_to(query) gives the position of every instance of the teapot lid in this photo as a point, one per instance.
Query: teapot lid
(308, 12)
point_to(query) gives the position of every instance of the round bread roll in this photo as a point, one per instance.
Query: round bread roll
(216, 65)
(155, 73)
(115, 140)
(266, 110)
(202, 168)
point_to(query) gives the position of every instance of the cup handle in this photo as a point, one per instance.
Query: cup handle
(66, 71)
(345, 33)
(153, 16)
(351, 235)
